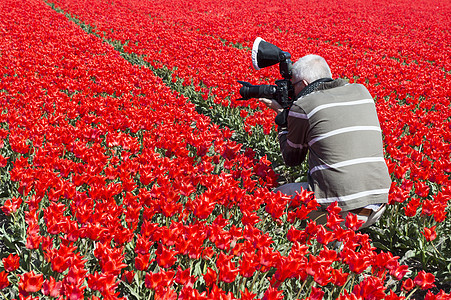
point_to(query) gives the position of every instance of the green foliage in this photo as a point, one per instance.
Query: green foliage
(403, 236)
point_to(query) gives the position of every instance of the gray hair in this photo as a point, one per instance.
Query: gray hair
(310, 68)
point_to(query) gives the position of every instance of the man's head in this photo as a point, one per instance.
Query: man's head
(308, 69)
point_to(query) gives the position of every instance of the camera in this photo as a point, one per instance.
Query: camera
(265, 54)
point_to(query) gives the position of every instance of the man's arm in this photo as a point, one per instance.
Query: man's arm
(292, 136)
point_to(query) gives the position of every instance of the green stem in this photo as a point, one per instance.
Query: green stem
(394, 216)
(352, 282)
(423, 250)
(255, 278)
(261, 280)
(150, 295)
(436, 250)
(264, 221)
(140, 277)
(244, 285)
(344, 285)
(300, 290)
(312, 284)
(411, 293)
(14, 220)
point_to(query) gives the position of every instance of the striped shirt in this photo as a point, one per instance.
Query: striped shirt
(337, 126)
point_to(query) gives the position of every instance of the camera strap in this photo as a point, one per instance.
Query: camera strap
(312, 87)
(281, 118)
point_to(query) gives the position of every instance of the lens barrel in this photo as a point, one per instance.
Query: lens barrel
(258, 91)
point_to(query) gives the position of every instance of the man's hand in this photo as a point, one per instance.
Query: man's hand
(273, 104)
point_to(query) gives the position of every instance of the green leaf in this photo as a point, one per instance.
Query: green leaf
(132, 290)
(381, 246)
(407, 255)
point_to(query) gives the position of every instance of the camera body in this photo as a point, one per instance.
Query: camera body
(264, 55)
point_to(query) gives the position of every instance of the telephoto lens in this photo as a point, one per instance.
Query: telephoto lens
(248, 91)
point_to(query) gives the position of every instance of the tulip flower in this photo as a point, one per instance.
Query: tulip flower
(11, 263)
(4, 282)
(424, 280)
(429, 233)
(31, 282)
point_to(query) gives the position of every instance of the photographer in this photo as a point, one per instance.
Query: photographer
(335, 123)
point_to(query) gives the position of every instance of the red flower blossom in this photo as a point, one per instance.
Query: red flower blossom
(204, 207)
(272, 294)
(248, 265)
(370, 288)
(424, 280)
(210, 277)
(128, 276)
(165, 257)
(51, 287)
(353, 222)
(408, 284)
(142, 261)
(31, 282)
(421, 189)
(324, 236)
(226, 268)
(412, 206)
(11, 263)
(439, 296)
(429, 233)
(357, 262)
(393, 296)
(183, 276)
(3, 160)
(4, 282)
(316, 294)
(399, 272)
(158, 280)
(165, 294)
(339, 278)
(60, 263)
(11, 205)
(246, 295)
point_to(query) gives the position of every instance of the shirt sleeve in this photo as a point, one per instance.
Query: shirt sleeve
(293, 138)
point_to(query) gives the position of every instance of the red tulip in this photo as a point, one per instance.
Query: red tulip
(3, 160)
(424, 280)
(31, 282)
(142, 261)
(353, 222)
(11, 205)
(272, 294)
(11, 263)
(161, 279)
(408, 284)
(165, 257)
(4, 282)
(429, 233)
(51, 287)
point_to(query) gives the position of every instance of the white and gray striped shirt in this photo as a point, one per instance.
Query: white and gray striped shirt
(337, 125)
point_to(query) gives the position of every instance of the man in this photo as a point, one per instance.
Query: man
(336, 124)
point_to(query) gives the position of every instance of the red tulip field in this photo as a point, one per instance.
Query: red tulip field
(129, 169)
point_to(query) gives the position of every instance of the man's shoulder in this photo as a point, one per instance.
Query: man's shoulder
(336, 88)
(339, 91)
(340, 85)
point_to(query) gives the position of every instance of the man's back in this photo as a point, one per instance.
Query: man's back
(338, 124)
